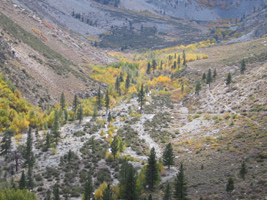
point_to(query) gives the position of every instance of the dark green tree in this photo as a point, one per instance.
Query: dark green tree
(243, 66)
(75, 103)
(168, 156)
(62, 101)
(30, 182)
(152, 173)
(28, 150)
(243, 170)
(5, 144)
(160, 65)
(141, 97)
(69, 155)
(214, 73)
(167, 195)
(230, 186)
(150, 197)
(127, 83)
(117, 84)
(229, 79)
(36, 133)
(99, 98)
(180, 187)
(184, 57)
(154, 65)
(56, 192)
(129, 191)
(55, 127)
(107, 194)
(47, 141)
(198, 88)
(121, 77)
(48, 195)
(209, 78)
(204, 76)
(107, 100)
(174, 65)
(114, 147)
(179, 61)
(109, 117)
(80, 114)
(88, 188)
(22, 182)
(148, 68)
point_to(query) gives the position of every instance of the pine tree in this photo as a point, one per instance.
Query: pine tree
(75, 103)
(99, 99)
(141, 97)
(243, 66)
(184, 57)
(160, 66)
(167, 195)
(109, 117)
(180, 192)
(148, 68)
(22, 182)
(62, 101)
(6, 144)
(150, 197)
(204, 76)
(55, 127)
(88, 188)
(130, 188)
(47, 141)
(28, 152)
(243, 170)
(107, 100)
(69, 155)
(168, 156)
(214, 73)
(56, 192)
(48, 195)
(121, 77)
(65, 115)
(198, 88)
(174, 65)
(127, 83)
(107, 194)
(117, 84)
(80, 114)
(209, 78)
(179, 61)
(152, 173)
(230, 186)
(229, 79)
(114, 147)
(154, 65)
(36, 133)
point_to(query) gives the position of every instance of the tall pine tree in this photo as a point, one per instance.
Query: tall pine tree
(88, 188)
(107, 194)
(99, 98)
(127, 82)
(148, 68)
(209, 78)
(154, 65)
(75, 103)
(62, 101)
(107, 100)
(80, 114)
(243, 170)
(55, 127)
(114, 147)
(167, 195)
(130, 188)
(180, 187)
(152, 173)
(141, 97)
(229, 80)
(243, 66)
(22, 182)
(168, 156)
(198, 88)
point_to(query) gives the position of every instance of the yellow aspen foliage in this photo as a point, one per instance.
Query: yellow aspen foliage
(98, 194)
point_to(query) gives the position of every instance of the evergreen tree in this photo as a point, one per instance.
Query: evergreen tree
(180, 192)
(121, 77)
(109, 117)
(36, 133)
(152, 172)
(179, 61)
(168, 156)
(167, 195)
(214, 73)
(22, 182)
(209, 78)
(107, 100)
(80, 114)
(28, 152)
(123, 175)
(65, 115)
(69, 155)
(107, 194)
(62, 101)
(114, 147)
(99, 99)
(184, 57)
(130, 188)
(160, 66)
(229, 79)
(198, 87)
(204, 76)
(154, 65)
(88, 188)
(174, 65)
(141, 97)
(243, 171)
(127, 83)
(75, 103)
(117, 84)
(55, 127)
(56, 192)
(230, 186)
(150, 197)
(6, 144)
(243, 66)
(148, 68)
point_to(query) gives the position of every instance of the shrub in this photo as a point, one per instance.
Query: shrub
(54, 151)
(226, 115)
